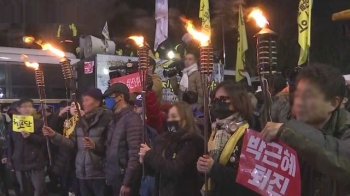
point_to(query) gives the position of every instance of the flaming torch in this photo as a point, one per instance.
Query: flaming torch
(266, 57)
(67, 70)
(40, 84)
(143, 53)
(206, 68)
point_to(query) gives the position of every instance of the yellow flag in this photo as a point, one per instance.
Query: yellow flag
(242, 45)
(304, 29)
(204, 14)
(59, 31)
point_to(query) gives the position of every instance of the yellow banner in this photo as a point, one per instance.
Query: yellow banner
(242, 46)
(23, 123)
(304, 29)
(204, 14)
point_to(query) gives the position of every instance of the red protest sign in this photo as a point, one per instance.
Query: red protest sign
(131, 80)
(270, 169)
(89, 67)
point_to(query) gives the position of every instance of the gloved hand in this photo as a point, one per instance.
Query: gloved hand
(149, 83)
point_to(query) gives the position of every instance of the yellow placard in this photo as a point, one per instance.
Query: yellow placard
(23, 123)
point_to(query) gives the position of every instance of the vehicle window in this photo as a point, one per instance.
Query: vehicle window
(2, 74)
(23, 83)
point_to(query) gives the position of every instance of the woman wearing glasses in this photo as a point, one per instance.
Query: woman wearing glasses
(233, 111)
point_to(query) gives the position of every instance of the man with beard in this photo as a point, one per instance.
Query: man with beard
(320, 134)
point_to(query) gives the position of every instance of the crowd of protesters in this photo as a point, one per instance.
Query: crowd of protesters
(107, 153)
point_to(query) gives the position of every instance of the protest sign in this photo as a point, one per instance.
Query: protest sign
(270, 169)
(131, 80)
(89, 67)
(104, 62)
(23, 123)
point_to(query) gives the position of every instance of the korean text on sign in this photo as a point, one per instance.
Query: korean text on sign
(132, 81)
(270, 169)
(23, 123)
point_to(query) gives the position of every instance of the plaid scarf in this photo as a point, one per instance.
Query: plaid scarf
(223, 131)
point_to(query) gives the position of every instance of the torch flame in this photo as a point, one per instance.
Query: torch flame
(24, 57)
(28, 39)
(47, 46)
(199, 36)
(259, 18)
(44, 46)
(138, 39)
(35, 66)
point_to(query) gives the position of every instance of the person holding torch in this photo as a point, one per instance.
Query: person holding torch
(233, 111)
(89, 143)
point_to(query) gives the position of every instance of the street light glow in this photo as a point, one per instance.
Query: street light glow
(171, 54)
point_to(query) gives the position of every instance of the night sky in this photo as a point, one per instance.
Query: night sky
(330, 40)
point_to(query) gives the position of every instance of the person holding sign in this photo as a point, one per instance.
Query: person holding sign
(320, 134)
(26, 150)
(233, 110)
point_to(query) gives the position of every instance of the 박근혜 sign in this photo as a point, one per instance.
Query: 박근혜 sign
(270, 169)
(23, 123)
(132, 81)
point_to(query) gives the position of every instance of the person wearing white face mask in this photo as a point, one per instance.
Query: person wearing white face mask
(191, 80)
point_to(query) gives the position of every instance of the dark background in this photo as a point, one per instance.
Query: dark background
(330, 40)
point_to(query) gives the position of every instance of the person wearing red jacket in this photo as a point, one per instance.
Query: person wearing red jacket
(155, 118)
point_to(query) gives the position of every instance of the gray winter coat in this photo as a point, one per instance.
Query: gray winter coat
(123, 145)
(89, 164)
(280, 108)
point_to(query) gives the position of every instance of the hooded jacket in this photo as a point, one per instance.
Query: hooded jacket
(89, 164)
(172, 160)
(324, 154)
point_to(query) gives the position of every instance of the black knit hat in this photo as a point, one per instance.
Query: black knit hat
(94, 93)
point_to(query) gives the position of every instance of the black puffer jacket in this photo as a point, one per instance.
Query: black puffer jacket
(173, 161)
(27, 153)
(89, 164)
(123, 145)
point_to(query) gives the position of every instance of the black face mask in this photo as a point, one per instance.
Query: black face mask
(173, 126)
(221, 110)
